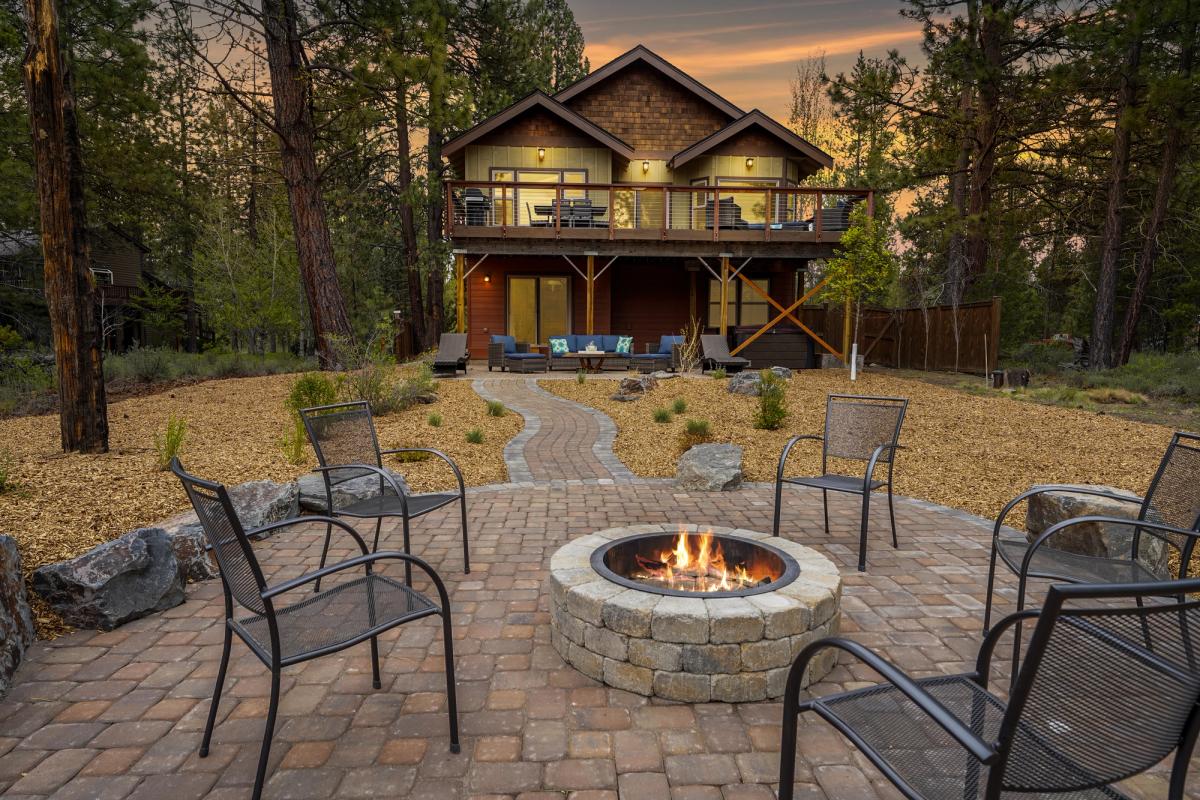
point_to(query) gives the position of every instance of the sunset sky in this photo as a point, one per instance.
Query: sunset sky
(747, 51)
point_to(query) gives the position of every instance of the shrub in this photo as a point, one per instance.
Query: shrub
(435, 420)
(6, 467)
(24, 385)
(168, 443)
(580, 377)
(412, 457)
(144, 364)
(309, 390)
(772, 402)
(695, 432)
(495, 408)
(9, 339)
(662, 415)
(1111, 395)
(679, 406)
(718, 373)
(475, 436)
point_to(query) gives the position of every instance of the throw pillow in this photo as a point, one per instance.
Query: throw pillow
(624, 344)
(558, 345)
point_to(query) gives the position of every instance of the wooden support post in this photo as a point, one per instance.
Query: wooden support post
(591, 293)
(460, 308)
(846, 333)
(724, 295)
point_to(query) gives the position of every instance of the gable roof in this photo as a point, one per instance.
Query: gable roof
(546, 102)
(645, 55)
(754, 117)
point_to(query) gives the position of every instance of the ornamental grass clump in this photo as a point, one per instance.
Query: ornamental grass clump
(495, 408)
(718, 373)
(695, 432)
(168, 443)
(475, 436)
(679, 406)
(772, 402)
(434, 420)
(580, 377)
(308, 391)
(662, 415)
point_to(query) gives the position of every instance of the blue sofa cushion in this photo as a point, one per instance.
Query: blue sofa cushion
(666, 342)
(509, 342)
(647, 355)
(607, 342)
(523, 356)
(582, 340)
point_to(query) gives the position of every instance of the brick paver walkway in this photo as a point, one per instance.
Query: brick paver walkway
(118, 715)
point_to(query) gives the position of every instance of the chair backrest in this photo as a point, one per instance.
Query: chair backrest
(857, 424)
(667, 342)
(1174, 497)
(240, 572)
(714, 346)
(1107, 689)
(343, 433)
(451, 347)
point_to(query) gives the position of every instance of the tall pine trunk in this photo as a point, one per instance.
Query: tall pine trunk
(1114, 218)
(1169, 168)
(70, 288)
(291, 93)
(408, 223)
(987, 129)
(956, 248)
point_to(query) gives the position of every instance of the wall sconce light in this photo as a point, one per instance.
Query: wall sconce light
(541, 154)
(487, 278)
(749, 162)
(645, 166)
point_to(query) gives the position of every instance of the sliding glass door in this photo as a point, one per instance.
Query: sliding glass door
(539, 307)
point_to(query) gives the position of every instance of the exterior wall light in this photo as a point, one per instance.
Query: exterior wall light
(749, 162)
(487, 278)
(541, 154)
(645, 166)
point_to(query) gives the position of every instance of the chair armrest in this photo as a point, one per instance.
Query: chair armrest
(787, 450)
(439, 454)
(274, 526)
(1058, 487)
(974, 744)
(522, 347)
(495, 351)
(983, 662)
(382, 473)
(365, 560)
(879, 451)
(1094, 519)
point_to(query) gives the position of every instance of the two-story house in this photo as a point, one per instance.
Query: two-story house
(633, 201)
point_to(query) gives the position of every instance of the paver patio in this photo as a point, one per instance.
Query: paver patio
(120, 714)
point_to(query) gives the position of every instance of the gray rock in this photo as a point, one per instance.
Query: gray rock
(115, 582)
(634, 387)
(782, 372)
(260, 503)
(663, 375)
(747, 383)
(1094, 539)
(710, 468)
(190, 546)
(312, 490)
(16, 620)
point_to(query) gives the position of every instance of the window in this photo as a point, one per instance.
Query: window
(746, 306)
(753, 204)
(104, 277)
(539, 307)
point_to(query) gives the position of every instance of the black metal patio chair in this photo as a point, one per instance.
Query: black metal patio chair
(1109, 688)
(858, 428)
(343, 437)
(1170, 512)
(279, 634)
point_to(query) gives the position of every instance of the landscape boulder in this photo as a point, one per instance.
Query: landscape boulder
(663, 375)
(260, 503)
(634, 387)
(312, 490)
(16, 620)
(115, 582)
(710, 468)
(1106, 540)
(749, 382)
(190, 546)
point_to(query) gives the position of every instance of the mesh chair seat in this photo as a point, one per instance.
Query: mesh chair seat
(920, 751)
(1075, 567)
(835, 483)
(336, 616)
(388, 505)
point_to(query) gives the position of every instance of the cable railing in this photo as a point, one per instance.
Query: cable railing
(650, 211)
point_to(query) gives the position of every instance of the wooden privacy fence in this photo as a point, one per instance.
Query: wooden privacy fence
(916, 338)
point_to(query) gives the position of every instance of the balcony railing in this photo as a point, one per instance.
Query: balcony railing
(650, 211)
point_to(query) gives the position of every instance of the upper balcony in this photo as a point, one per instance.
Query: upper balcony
(754, 220)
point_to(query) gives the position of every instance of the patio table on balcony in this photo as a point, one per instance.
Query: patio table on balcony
(574, 213)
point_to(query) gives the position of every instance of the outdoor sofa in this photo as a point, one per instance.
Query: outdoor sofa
(611, 344)
(506, 352)
(664, 355)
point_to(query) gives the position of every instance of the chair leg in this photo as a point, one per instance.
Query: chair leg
(462, 501)
(1016, 658)
(825, 506)
(862, 532)
(268, 732)
(892, 514)
(778, 501)
(787, 745)
(378, 525)
(451, 696)
(407, 549)
(324, 555)
(216, 698)
(987, 607)
(375, 663)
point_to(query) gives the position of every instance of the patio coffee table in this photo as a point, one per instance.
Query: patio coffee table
(590, 362)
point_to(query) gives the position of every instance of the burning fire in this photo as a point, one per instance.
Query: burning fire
(696, 564)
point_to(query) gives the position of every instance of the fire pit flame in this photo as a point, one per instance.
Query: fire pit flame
(697, 564)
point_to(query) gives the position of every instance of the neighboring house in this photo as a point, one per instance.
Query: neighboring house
(631, 202)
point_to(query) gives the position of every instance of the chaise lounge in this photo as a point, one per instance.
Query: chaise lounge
(452, 354)
(716, 354)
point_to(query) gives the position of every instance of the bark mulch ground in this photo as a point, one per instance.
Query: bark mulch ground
(62, 505)
(964, 451)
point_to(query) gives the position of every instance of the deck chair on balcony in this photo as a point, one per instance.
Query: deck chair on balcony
(452, 354)
(343, 436)
(716, 354)
(857, 428)
(282, 628)
(1168, 518)
(1109, 689)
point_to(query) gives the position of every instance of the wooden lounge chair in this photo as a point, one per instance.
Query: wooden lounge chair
(452, 354)
(716, 354)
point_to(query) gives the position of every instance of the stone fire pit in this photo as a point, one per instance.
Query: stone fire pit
(692, 648)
